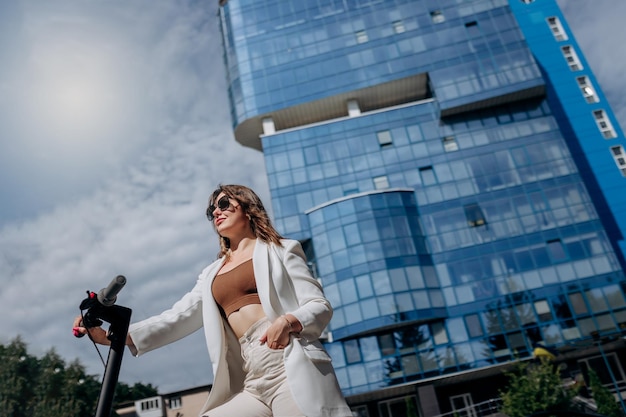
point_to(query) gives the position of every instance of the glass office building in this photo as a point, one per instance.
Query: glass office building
(453, 171)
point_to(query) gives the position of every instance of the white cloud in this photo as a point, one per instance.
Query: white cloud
(140, 213)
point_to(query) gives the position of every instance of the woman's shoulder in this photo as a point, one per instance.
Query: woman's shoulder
(280, 247)
(285, 242)
(289, 246)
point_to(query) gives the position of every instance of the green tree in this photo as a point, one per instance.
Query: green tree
(48, 387)
(17, 371)
(81, 390)
(535, 387)
(605, 401)
(124, 392)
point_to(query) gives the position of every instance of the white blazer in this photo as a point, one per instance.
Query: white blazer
(285, 285)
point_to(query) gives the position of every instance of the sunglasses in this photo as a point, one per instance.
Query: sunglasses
(223, 204)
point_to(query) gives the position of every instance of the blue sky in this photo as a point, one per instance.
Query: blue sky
(114, 129)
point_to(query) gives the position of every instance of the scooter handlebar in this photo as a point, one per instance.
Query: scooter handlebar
(107, 296)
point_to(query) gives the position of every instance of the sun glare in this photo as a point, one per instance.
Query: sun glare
(74, 92)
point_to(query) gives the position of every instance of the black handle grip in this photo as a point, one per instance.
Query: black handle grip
(108, 295)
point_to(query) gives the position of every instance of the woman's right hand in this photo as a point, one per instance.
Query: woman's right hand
(97, 334)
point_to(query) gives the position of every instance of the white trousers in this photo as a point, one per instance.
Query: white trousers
(266, 392)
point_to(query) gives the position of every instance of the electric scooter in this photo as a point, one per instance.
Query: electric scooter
(95, 309)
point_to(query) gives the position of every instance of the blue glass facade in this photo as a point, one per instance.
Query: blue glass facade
(456, 201)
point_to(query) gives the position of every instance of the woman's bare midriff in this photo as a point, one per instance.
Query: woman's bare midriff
(246, 316)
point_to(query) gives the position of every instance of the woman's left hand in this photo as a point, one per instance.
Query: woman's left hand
(277, 335)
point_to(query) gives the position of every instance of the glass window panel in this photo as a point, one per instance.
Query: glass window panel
(387, 344)
(338, 318)
(357, 375)
(596, 300)
(401, 226)
(540, 256)
(370, 231)
(375, 372)
(429, 360)
(614, 296)
(498, 345)
(352, 313)
(384, 138)
(420, 337)
(356, 255)
(473, 325)
(385, 228)
(421, 299)
(561, 308)
(479, 351)
(348, 291)
(410, 365)
(587, 326)
(463, 353)
(369, 308)
(450, 144)
(583, 269)
(414, 275)
(556, 250)
(517, 342)
(364, 286)
(457, 330)
(446, 357)
(474, 215)
(341, 259)
(430, 276)
(575, 249)
(404, 302)
(605, 323)
(620, 317)
(331, 292)
(566, 272)
(386, 305)
(335, 350)
(578, 303)
(439, 333)
(524, 260)
(601, 264)
(542, 308)
(532, 279)
(381, 182)
(381, 282)
(436, 298)
(552, 334)
(437, 16)
(443, 172)
(369, 348)
(374, 251)
(414, 132)
(428, 176)
(353, 353)
(549, 276)
(525, 313)
(398, 280)
(352, 234)
(509, 319)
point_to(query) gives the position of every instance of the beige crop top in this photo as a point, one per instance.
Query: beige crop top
(235, 288)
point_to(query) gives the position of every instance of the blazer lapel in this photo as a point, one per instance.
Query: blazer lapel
(261, 265)
(211, 316)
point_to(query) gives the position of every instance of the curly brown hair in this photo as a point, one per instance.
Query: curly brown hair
(253, 208)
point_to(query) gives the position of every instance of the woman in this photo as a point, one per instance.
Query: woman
(262, 314)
